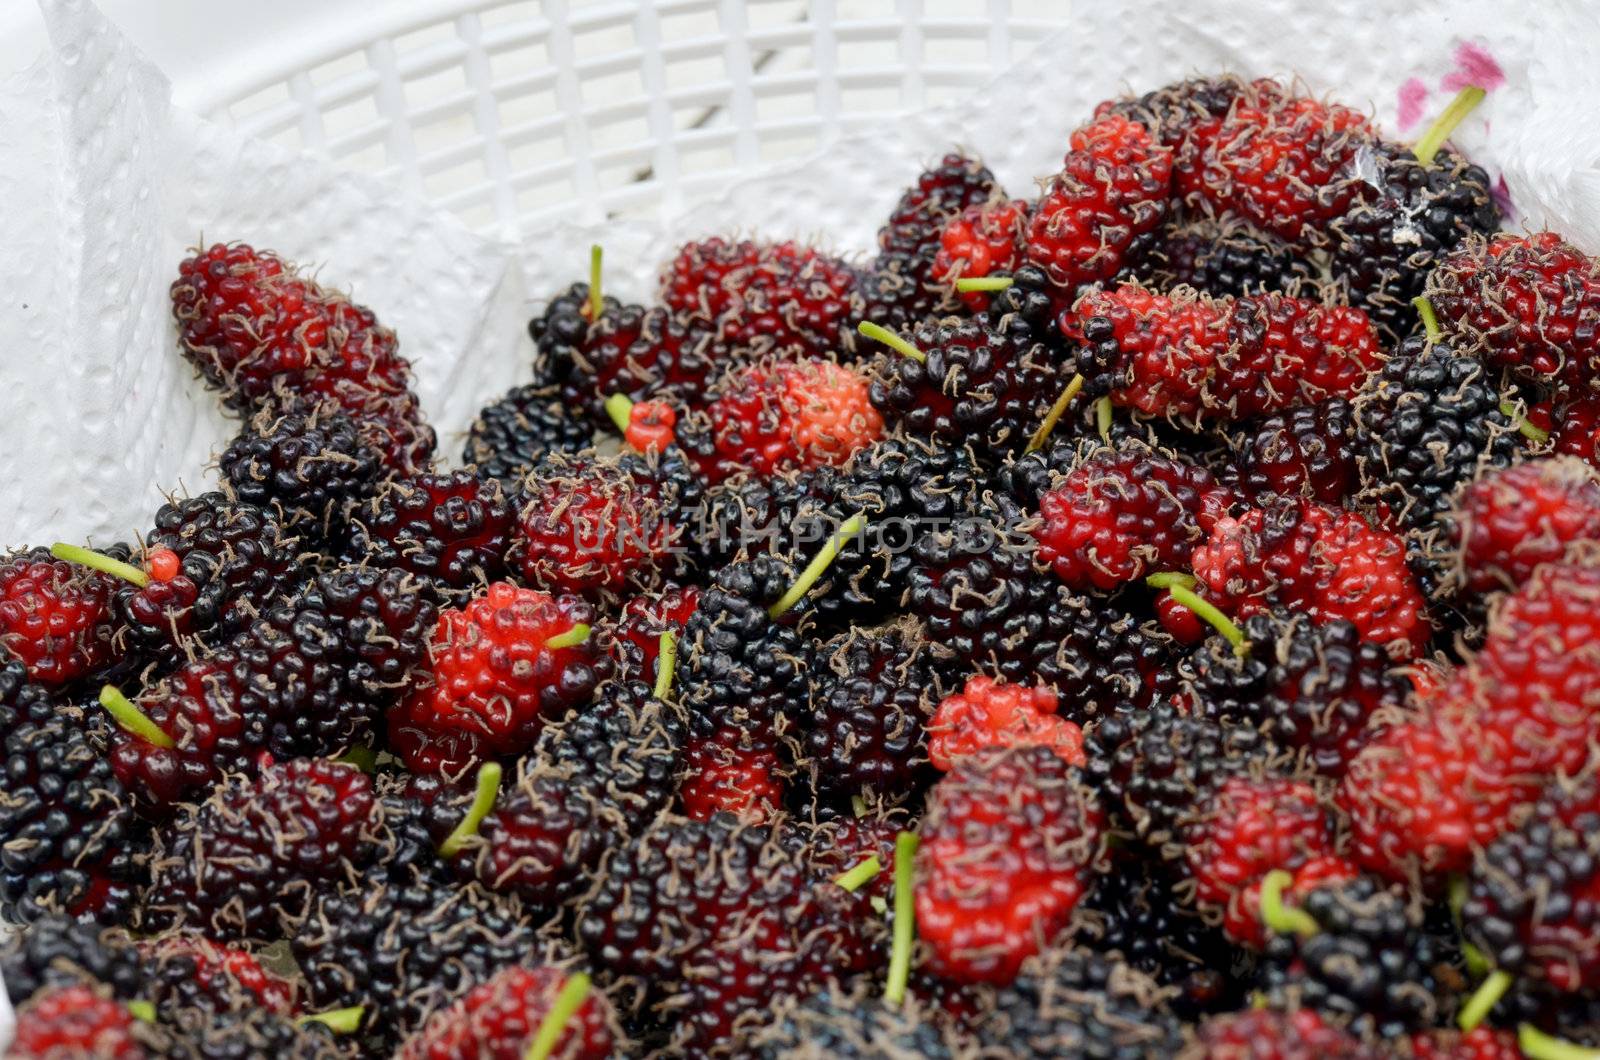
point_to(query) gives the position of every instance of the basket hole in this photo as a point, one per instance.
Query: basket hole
(368, 158)
(792, 102)
(455, 179)
(479, 216)
(335, 70)
(767, 14)
(603, 42)
(519, 61)
(274, 95)
(510, 14)
(435, 136)
(527, 107)
(706, 158)
(602, 89)
(434, 88)
(621, 131)
(546, 195)
(686, 74)
(778, 145)
(879, 48)
(350, 116)
(869, 100)
(786, 58)
(426, 37)
(957, 51)
(863, 10)
(530, 156)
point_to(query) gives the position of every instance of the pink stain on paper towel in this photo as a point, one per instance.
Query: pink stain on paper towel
(1413, 94)
(1474, 66)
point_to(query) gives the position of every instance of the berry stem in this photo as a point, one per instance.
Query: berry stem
(620, 408)
(1445, 124)
(1053, 417)
(571, 638)
(1537, 1045)
(143, 1011)
(891, 340)
(1206, 610)
(572, 995)
(1283, 919)
(597, 302)
(858, 806)
(482, 802)
(131, 718)
(853, 879)
(1477, 963)
(819, 563)
(905, 914)
(666, 663)
(88, 557)
(337, 1020)
(983, 283)
(1488, 994)
(1536, 435)
(1430, 320)
(1102, 418)
(1167, 579)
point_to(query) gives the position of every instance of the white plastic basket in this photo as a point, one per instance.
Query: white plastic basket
(511, 113)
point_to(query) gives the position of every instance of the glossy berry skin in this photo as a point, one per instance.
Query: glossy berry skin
(493, 682)
(1008, 842)
(1221, 359)
(1120, 515)
(69, 841)
(1481, 1043)
(310, 471)
(1532, 302)
(1102, 211)
(516, 431)
(635, 636)
(1269, 1034)
(55, 617)
(566, 334)
(187, 970)
(498, 1019)
(1326, 563)
(981, 241)
(1242, 920)
(1221, 259)
(721, 776)
(1071, 1003)
(58, 950)
(452, 530)
(1514, 519)
(1576, 431)
(654, 354)
(74, 1021)
(590, 525)
(243, 864)
(986, 713)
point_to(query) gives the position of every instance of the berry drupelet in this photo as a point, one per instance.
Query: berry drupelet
(501, 667)
(403, 952)
(55, 618)
(835, 1024)
(981, 241)
(188, 970)
(633, 638)
(57, 950)
(1275, 1034)
(988, 713)
(499, 1018)
(77, 1021)
(567, 330)
(308, 471)
(451, 529)
(628, 742)
(246, 863)
(1070, 1003)
(1009, 845)
(1220, 260)
(872, 696)
(1102, 212)
(515, 432)
(69, 841)
(1511, 520)
(1310, 451)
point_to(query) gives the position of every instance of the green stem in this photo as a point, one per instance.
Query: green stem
(666, 662)
(568, 1001)
(597, 302)
(1102, 418)
(1508, 409)
(819, 563)
(858, 806)
(1477, 964)
(860, 874)
(620, 408)
(88, 557)
(362, 757)
(338, 1020)
(482, 802)
(1430, 320)
(1167, 579)
(1488, 994)
(1057, 410)
(571, 638)
(131, 718)
(905, 914)
(1283, 919)
(1537, 1045)
(1446, 123)
(1206, 610)
(983, 283)
(891, 340)
(143, 1011)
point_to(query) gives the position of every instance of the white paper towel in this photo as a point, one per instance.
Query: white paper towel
(105, 184)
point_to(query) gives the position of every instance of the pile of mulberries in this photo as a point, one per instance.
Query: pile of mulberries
(1156, 616)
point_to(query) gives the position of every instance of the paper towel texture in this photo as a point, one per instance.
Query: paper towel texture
(101, 415)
